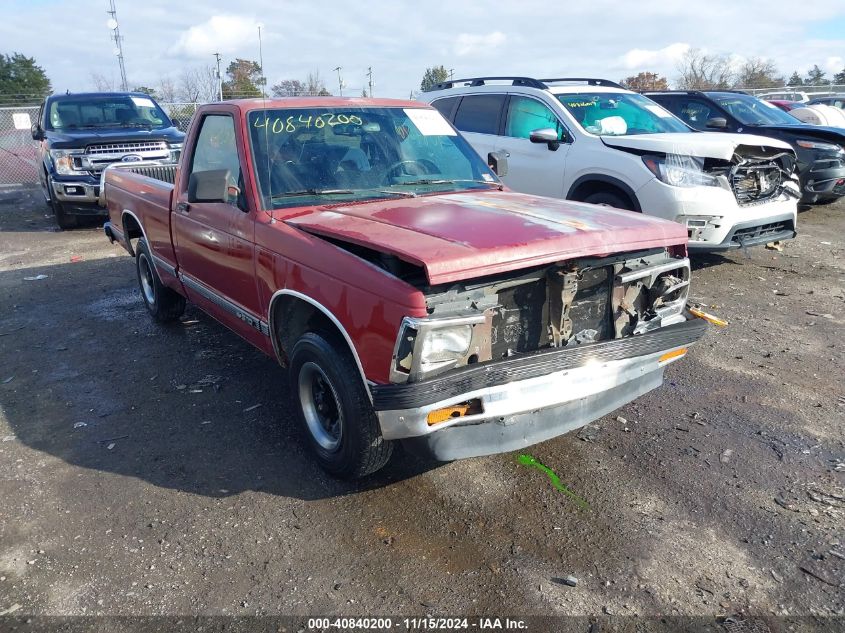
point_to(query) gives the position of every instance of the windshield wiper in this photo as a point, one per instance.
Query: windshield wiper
(446, 181)
(312, 192)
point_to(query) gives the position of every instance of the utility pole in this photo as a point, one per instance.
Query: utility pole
(370, 78)
(219, 79)
(451, 74)
(118, 39)
(339, 81)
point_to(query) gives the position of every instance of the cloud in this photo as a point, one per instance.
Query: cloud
(219, 34)
(640, 58)
(471, 44)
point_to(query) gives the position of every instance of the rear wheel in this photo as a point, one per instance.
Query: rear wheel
(610, 199)
(64, 219)
(163, 304)
(334, 409)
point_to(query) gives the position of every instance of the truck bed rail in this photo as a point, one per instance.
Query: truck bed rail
(150, 169)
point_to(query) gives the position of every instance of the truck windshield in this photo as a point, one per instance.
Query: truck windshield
(113, 111)
(305, 156)
(619, 114)
(749, 110)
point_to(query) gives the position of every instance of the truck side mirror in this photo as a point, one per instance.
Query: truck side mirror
(176, 123)
(209, 186)
(545, 135)
(498, 162)
(37, 132)
(717, 122)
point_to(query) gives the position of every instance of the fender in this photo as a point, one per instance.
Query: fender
(610, 180)
(335, 321)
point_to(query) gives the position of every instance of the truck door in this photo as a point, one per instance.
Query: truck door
(533, 168)
(215, 241)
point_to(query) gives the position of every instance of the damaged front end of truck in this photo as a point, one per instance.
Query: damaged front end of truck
(503, 362)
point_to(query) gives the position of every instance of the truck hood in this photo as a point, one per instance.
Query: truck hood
(703, 144)
(74, 139)
(472, 234)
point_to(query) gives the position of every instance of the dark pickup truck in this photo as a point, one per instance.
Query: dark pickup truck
(79, 135)
(366, 246)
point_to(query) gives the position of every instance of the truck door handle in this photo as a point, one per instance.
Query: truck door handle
(182, 207)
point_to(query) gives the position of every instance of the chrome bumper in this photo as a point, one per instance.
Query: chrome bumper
(590, 381)
(76, 192)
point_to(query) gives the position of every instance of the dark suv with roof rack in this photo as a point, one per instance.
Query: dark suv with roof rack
(79, 135)
(820, 150)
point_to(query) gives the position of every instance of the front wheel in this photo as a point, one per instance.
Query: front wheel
(162, 303)
(334, 409)
(609, 199)
(64, 219)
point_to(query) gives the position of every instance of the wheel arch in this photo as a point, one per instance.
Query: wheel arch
(593, 183)
(304, 314)
(132, 229)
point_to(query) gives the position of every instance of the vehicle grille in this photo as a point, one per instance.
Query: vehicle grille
(756, 182)
(127, 148)
(763, 230)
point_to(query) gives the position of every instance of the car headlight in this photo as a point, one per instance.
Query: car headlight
(827, 147)
(63, 161)
(679, 171)
(443, 345)
(175, 151)
(426, 347)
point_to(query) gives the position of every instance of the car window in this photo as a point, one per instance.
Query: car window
(446, 106)
(619, 114)
(309, 155)
(73, 112)
(526, 115)
(479, 113)
(751, 111)
(216, 148)
(694, 112)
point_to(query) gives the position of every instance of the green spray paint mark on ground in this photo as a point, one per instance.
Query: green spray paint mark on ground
(529, 460)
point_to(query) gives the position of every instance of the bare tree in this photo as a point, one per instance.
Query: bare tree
(198, 85)
(700, 71)
(757, 72)
(102, 83)
(166, 90)
(315, 86)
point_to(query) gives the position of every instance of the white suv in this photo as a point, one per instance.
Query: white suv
(593, 141)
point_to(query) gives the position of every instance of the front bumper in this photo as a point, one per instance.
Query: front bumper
(751, 233)
(825, 179)
(81, 194)
(529, 398)
(712, 215)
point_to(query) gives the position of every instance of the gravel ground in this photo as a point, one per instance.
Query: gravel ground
(138, 476)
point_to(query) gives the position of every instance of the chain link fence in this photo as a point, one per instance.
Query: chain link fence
(18, 157)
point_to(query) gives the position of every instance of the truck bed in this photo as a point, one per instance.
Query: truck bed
(145, 192)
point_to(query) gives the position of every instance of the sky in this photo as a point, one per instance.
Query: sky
(600, 38)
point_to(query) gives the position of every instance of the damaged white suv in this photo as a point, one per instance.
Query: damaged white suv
(591, 140)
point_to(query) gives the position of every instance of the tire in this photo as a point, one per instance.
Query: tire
(64, 219)
(163, 304)
(334, 409)
(610, 199)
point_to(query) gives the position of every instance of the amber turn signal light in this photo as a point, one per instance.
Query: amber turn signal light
(471, 407)
(675, 353)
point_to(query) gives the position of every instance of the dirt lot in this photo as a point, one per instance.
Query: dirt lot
(137, 476)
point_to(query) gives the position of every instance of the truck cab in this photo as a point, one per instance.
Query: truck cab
(79, 135)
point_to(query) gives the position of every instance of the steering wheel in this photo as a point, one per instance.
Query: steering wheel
(421, 167)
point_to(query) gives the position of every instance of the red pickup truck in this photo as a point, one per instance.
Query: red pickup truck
(367, 247)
